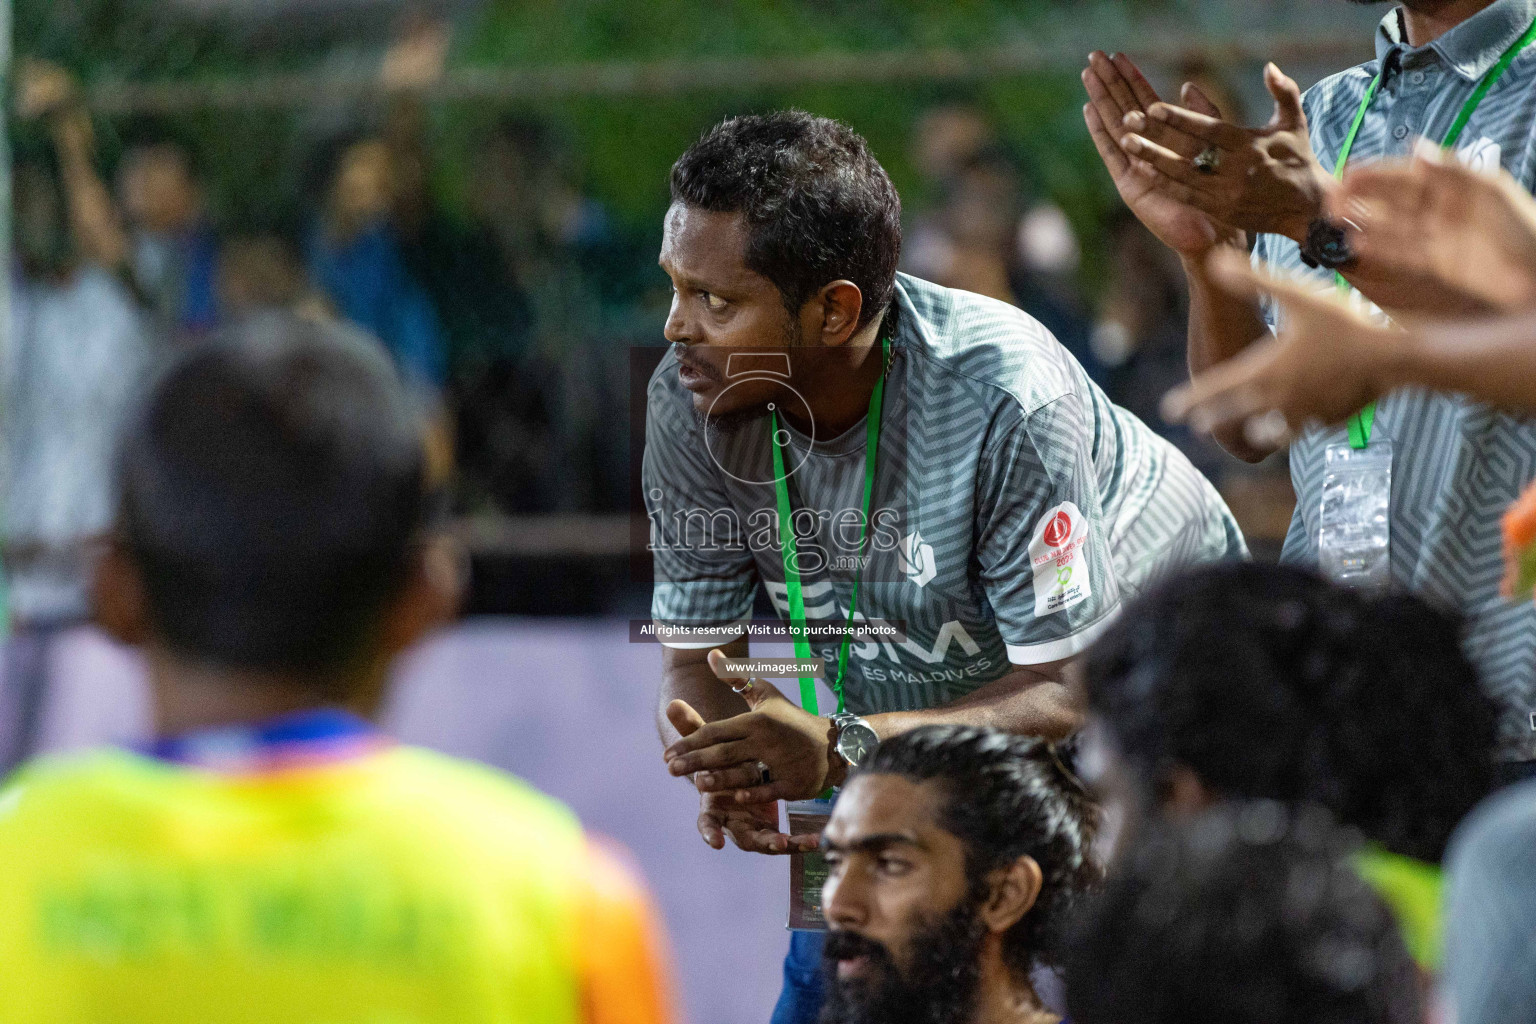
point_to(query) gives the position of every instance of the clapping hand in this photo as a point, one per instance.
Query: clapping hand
(1116, 90)
(753, 827)
(1249, 179)
(1440, 237)
(1327, 362)
(730, 755)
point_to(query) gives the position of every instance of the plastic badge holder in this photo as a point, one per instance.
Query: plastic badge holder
(1354, 541)
(807, 871)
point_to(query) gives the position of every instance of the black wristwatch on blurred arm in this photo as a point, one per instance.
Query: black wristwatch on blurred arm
(1327, 245)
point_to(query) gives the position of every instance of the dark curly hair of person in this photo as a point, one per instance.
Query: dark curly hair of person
(1006, 797)
(1250, 913)
(1270, 683)
(818, 206)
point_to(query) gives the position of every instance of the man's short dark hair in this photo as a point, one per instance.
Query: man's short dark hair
(818, 205)
(1006, 797)
(1268, 682)
(1248, 914)
(271, 489)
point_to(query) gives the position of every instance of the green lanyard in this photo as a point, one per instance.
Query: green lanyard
(1360, 423)
(791, 554)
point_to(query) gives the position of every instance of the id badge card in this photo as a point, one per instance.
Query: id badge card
(807, 871)
(1354, 540)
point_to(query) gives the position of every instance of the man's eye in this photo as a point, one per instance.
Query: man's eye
(894, 866)
(834, 860)
(713, 301)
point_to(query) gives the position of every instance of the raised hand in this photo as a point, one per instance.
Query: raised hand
(1327, 362)
(1257, 180)
(1117, 89)
(417, 57)
(43, 88)
(1430, 235)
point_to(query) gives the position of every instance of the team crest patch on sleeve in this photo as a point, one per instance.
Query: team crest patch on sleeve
(1057, 553)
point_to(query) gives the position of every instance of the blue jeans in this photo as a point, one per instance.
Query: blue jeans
(800, 1001)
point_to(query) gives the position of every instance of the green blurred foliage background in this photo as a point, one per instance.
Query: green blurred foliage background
(256, 159)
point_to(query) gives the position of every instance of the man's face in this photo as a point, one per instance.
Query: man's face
(728, 323)
(158, 191)
(905, 935)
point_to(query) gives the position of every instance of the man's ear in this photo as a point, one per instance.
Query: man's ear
(439, 575)
(841, 305)
(1013, 894)
(119, 602)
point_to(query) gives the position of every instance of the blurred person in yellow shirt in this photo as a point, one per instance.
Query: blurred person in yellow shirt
(273, 856)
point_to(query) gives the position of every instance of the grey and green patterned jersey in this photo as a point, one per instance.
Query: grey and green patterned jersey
(1458, 464)
(1014, 508)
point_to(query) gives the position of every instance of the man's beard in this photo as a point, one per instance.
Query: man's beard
(940, 987)
(729, 423)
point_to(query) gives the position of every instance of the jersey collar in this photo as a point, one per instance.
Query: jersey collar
(1472, 48)
(305, 738)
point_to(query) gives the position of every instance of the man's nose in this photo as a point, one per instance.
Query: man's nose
(677, 328)
(844, 901)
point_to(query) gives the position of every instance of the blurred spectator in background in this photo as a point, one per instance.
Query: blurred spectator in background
(355, 257)
(582, 282)
(161, 241)
(1252, 681)
(499, 386)
(1248, 914)
(1139, 337)
(262, 272)
(175, 250)
(1490, 971)
(955, 858)
(983, 237)
(73, 359)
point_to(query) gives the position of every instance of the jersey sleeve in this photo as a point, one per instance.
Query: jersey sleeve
(705, 576)
(1042, 542)
(622, 952)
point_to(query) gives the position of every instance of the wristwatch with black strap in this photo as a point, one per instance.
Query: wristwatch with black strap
(855, 739)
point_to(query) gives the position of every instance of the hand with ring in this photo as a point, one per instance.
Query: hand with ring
(1250, 179)
(775, 751)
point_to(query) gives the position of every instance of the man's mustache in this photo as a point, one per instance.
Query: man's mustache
(682, 355)
(842, 945)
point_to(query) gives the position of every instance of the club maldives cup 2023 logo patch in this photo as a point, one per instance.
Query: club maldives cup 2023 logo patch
(1057, 553)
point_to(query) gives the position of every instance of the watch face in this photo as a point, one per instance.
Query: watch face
(855, 742)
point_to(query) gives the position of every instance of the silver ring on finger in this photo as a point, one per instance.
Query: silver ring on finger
(746, 684)
(1208, 161)
(764, 774)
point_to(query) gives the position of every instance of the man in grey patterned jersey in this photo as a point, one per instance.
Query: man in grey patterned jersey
(1457, 463)
(1013, 507)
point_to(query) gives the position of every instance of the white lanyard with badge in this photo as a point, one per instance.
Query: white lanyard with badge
(1354, 525)
(808, 871)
